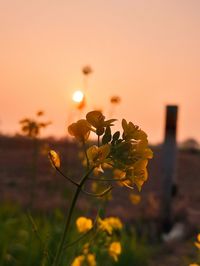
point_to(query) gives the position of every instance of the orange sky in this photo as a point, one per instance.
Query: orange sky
(146, 51)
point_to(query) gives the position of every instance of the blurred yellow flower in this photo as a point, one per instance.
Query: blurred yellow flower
(197, 243)
(78, 261)
(83, 224)
(80, 130)
(98, 170)
(114, 222)
(137, 174)
(109, 224)
(105, 226)
(115, 250)
(44, 149)
(135, 198)
(194, 264)
(54, 158)
(118, 174)
(86, 248)
(91, 259)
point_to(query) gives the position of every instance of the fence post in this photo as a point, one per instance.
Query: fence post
(169, 152)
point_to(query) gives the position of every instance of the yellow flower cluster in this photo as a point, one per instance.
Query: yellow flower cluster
(109, 224)
(83, 224)
(94, 121)
(88, 259)
(128, 153)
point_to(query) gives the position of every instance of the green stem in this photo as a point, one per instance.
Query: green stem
(66, 229)
(85, 151)
(35, 230)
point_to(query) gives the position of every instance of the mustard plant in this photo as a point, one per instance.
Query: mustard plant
(125, 155)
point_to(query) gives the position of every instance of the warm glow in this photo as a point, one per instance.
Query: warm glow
(78, 96)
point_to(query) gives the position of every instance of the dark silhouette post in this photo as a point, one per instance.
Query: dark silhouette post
(169, 188)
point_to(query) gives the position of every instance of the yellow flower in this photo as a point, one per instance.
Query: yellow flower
(88, 258)
(86, 248)
(197, 243)
(132, 131)
(119, 174)
(97, 120)
(98, 170)
(83, 224)
(105, 226)
(91, 259)
(115, 223)
(110, 224)
(80, 130)
(138, 173)
(54, 159)
(78, 261)
(115, 250)
(135, 199)
(194, 264)
(98, 155)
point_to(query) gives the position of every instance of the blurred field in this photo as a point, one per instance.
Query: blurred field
(16, 167)
(52, 193)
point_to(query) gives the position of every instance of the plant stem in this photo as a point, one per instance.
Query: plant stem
(34, 172)
(66, 229)
(85, 151)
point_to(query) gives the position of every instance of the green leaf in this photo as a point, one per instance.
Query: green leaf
(107, 136)
(109, 122)
(116, 136)
(124, 124)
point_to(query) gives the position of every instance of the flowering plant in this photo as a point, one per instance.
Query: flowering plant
(126, 155)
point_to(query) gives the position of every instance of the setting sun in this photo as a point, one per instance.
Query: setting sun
(78, 96)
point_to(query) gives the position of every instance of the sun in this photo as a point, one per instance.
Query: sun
(78, 96)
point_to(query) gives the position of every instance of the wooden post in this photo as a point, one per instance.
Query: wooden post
(169, 152)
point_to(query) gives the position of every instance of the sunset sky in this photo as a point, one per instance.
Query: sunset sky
(145, 51)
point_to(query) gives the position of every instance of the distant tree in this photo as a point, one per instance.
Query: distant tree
(32, 127)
